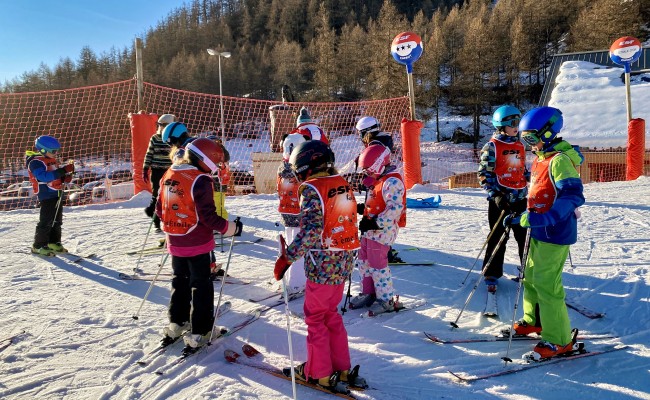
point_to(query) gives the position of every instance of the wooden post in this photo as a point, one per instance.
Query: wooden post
(139, 75)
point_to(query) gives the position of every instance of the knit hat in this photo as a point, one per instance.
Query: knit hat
(303, 117)
(166, 119)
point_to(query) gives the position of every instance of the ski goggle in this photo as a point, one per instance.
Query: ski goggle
(511, 121)
(51, 151)
(530, 137)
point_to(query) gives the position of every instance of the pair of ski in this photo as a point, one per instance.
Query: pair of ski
(165, 343)
(254, 360)
(504, 338)
(160, 247)
(71, 257)
(572, 355)
(147, 276)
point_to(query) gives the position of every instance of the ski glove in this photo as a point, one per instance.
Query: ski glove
(234, 228)
(368, 224)
(501, 202)
(361, 208)
(281, 266)
(69, 168)
(145, 175)
(517, 219)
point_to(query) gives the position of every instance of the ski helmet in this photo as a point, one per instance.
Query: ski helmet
(541, 123)
(312, 132)
(289, 143)
(310, 157)
(207, 152)
(166, 119)
(506, 116)
(173, 132)
(374, 159)
(47, 144)
(367, 125)
(303, 117)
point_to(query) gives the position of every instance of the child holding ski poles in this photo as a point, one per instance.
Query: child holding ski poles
(186, 208)
(328, 242)
(47, 180)
(555, 193)
(502, 173)
(383, 213)
(289, 209)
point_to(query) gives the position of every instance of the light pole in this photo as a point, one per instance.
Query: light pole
(225, 54)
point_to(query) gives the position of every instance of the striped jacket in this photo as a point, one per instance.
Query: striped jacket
(157, 156)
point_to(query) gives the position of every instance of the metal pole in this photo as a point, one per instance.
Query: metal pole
(223, 135)
(628, 98)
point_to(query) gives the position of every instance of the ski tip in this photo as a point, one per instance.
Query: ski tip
(230, 355)
(249, 350)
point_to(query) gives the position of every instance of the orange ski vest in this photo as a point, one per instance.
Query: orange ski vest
(375, 203)
(289, 195)
(179, 216)
(340, 230)
(50, 165)
(510, 164)
(542, 192)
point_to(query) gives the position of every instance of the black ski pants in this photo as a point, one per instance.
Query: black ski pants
(48, 229)
(156, 176)
(192, 296)
(495, 269)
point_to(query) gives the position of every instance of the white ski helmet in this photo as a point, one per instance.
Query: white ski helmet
(291, 142)
(368, 125)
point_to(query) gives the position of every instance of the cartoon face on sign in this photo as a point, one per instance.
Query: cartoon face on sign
(625, 50)
(406, 48)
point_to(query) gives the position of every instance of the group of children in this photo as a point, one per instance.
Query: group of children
(325, 237)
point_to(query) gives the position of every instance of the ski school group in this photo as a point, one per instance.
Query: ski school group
(325, 238)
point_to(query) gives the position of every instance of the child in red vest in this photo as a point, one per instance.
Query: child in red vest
(289, 209)
(47, 180)
(186, 208)
(328, 242)
(384, 212)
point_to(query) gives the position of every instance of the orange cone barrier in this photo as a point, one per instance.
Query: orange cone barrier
(143, 126)
(635, 148)
(411, 152)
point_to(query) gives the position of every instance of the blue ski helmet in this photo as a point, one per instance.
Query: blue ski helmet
(173, 130)
(541, 123)
(506, 116)
(47, 144)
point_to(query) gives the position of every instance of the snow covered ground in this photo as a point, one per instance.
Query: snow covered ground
(81, 342)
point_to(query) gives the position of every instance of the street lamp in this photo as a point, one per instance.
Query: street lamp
(225, 54)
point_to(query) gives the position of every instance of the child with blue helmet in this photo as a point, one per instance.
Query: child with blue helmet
(47, 179)
(502, 173)
(554, 195)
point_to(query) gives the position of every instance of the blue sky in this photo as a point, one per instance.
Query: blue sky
(35, 31)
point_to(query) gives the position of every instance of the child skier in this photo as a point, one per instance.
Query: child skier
(157, 161)
(328, 242)
(289, 209)
(308, 128)
(47, 181)
(502, 173)
(383, 214)
(555, 193)
(186, 208)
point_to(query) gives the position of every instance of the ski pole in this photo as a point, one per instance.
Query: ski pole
(58, 208)
(507, 359)
(282, 248)
(223, 283)
(480, 278)
(494, 228)
(347, 296)
(136, 269)
(155, 278)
